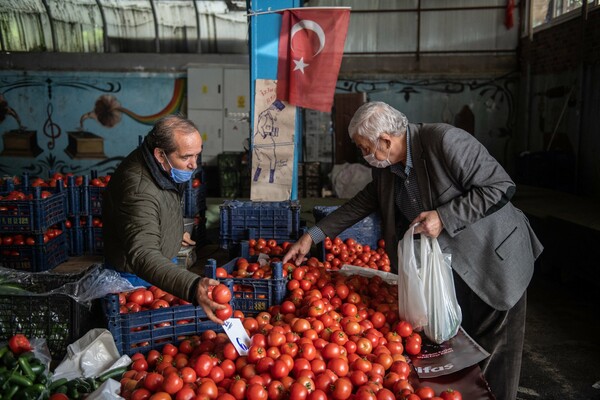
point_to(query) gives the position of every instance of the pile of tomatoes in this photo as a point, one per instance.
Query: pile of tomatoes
(142, 299)
(267, 246)
(339, 252)
(333, 337)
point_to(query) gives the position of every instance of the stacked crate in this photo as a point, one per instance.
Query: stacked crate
(309, 179)
(230, 166)
(92, 190)
(194, 206)
(32, 225)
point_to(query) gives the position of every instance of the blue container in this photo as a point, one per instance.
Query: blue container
(250, 295)
(241, 220)
(37, 257)
(35, 215)
(152, 329)
(194, 201)
(75, 240)
(365, 232)
(93, 239)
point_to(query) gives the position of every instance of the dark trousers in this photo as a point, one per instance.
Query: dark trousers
(500, 333)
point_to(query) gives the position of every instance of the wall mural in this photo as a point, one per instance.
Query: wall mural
(73, 122)
(484, 107)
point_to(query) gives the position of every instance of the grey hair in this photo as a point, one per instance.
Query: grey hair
(162, 134)
(374, 118)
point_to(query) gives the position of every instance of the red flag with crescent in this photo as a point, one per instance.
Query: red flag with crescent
(311, 46)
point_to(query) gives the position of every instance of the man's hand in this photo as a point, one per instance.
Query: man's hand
(187, 240)
(298, 251)
(205, 302)
(430, 224)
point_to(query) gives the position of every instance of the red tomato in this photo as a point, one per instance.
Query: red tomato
(404, 329)
(19, 344)
(137, 296)
(226, 313)
(221, 294)
(341, 389)
(172, 383)
(59, 396)
(425, 392)
(153, 381)
(450, 394)
(139, 365)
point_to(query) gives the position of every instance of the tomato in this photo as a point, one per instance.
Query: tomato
(221, 294)
(172, 383)
(256, 391)
(341, 389)
(139, 364)
(404, 329)
(225, 313)
(339, 366)
(203, 365)
(153, 381)
(195, 182)
(19, 344)
(425, 392)
(207, 387)
(450, 394)
(59, 396)
(412, 346)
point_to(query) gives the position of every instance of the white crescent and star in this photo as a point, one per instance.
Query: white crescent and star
(311, 26)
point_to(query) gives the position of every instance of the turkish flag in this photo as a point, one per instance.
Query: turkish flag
(311, 45)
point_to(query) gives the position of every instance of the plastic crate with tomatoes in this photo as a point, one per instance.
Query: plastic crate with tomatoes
(367, 231)
(243, 220)
(148, 318)
(252, 293)
(32, 210)
(34, 252)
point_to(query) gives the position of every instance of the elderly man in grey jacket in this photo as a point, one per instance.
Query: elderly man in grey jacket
(444, 179)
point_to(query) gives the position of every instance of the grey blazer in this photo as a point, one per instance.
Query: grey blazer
(492, 244)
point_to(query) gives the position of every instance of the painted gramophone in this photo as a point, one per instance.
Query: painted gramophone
(84, 144)
(18, 142)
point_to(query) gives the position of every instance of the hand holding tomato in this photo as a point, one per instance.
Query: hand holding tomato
(204, 300)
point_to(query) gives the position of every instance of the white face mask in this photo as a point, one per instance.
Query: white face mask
(374, 162)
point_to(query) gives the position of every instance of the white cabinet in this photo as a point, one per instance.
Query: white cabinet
(219, 104)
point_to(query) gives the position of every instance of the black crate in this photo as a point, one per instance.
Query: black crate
(57, 317)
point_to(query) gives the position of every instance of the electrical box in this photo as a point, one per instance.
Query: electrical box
(219, 104)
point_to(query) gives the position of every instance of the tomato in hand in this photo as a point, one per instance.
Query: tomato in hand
(221, 294)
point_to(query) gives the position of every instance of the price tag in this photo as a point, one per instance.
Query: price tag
(237, 334)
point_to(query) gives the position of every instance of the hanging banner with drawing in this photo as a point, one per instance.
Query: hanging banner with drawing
(272, 144)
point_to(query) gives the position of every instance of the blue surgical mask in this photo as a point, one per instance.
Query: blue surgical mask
(374, 162)
(179, 175)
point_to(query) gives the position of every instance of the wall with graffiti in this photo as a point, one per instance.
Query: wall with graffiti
(486, 107)
(79, 122)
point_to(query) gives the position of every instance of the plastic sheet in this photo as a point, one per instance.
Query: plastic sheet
(93, 283)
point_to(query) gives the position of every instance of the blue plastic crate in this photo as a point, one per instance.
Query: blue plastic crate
(194, 201)
(47, 311)
(146, 330)
(93, 240)
(37, 257)
(251, 295)
(240, 220)
(75, 240)
(35, 215)
(72, 192)
(365, 232)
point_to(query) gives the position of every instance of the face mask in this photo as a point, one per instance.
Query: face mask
(374, 162)
(179, 175)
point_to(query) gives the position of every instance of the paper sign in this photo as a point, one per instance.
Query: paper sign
(237, 335)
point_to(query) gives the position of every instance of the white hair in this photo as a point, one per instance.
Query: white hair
(374, 118)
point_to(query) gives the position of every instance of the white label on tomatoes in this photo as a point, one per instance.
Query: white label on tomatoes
(237, 334)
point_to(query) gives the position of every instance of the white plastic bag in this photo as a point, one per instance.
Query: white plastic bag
(444, 314)
(411, 294)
